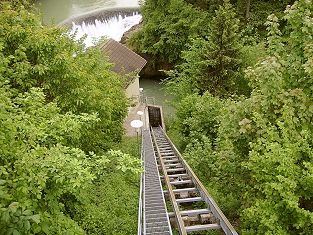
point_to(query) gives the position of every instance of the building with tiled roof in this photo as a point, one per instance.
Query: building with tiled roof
(125, 62)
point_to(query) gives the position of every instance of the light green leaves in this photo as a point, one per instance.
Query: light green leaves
(259, 158)
(35, 218)
(54, 108)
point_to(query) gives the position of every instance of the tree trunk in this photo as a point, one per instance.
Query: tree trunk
(247, 10)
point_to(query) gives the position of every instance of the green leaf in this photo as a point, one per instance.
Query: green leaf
(27, 212)
(36, 218)
(15, 232)
(13, 207)
(5, 216)
(26, 225)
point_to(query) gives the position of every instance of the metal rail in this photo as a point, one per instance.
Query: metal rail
(177, 214)
(147, 98)
(186, 191)
(140, 207)
(155, 220)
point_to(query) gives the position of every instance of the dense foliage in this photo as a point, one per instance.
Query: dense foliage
(111, 206)
(255, 153)
(79, 81)
(211, 63)
(40, 174)
(168, 27)
(58, 102)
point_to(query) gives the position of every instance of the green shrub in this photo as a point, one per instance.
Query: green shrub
(259, 161)
(79, 80)
(111, 206)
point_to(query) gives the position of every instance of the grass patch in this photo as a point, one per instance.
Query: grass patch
(128, 145)
(111, 206)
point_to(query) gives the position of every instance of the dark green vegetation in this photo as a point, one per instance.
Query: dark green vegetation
(168, 25)
(243, 83)
(212, 62)
(61, 110)
(111, 205)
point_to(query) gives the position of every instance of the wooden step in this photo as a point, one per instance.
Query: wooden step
(189, 199)
(181, 190)
(202, 227)
(190, 212)
(175, 169)
(180, 182)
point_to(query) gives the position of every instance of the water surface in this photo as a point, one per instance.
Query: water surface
(58, 10)
(154, 88)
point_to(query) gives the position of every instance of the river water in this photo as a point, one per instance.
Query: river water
(57, 11)
(153, 88)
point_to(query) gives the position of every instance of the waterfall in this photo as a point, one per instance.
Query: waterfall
(113, 27)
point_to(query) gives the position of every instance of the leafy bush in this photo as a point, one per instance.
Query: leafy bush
(259, 159)
(168, 27)
(79, 80)
(111, 205)
(57, 102)
(36, 168)
(40, 177)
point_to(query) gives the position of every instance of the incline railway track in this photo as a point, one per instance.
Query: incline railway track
(173, 198)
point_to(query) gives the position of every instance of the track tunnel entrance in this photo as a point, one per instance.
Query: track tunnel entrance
(155, 115)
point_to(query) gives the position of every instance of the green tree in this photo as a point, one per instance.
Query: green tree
(167, 28)
(212, 63)
(280, 159)
(78, 80)
(57, 101)
(259, 162)
(37, 169)
(41, 176)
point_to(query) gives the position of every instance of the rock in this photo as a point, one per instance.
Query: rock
(129, 32)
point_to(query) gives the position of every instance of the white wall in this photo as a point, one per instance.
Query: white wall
(132, 91)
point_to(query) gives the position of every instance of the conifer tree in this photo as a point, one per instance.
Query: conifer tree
(256, 153)
(212, 63)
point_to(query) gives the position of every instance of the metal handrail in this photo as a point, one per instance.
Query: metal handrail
(140, 209)
(147, 99)
(216, 211)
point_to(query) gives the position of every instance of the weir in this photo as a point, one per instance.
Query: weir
(109, 22)
(171, 196)
(100, 15)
